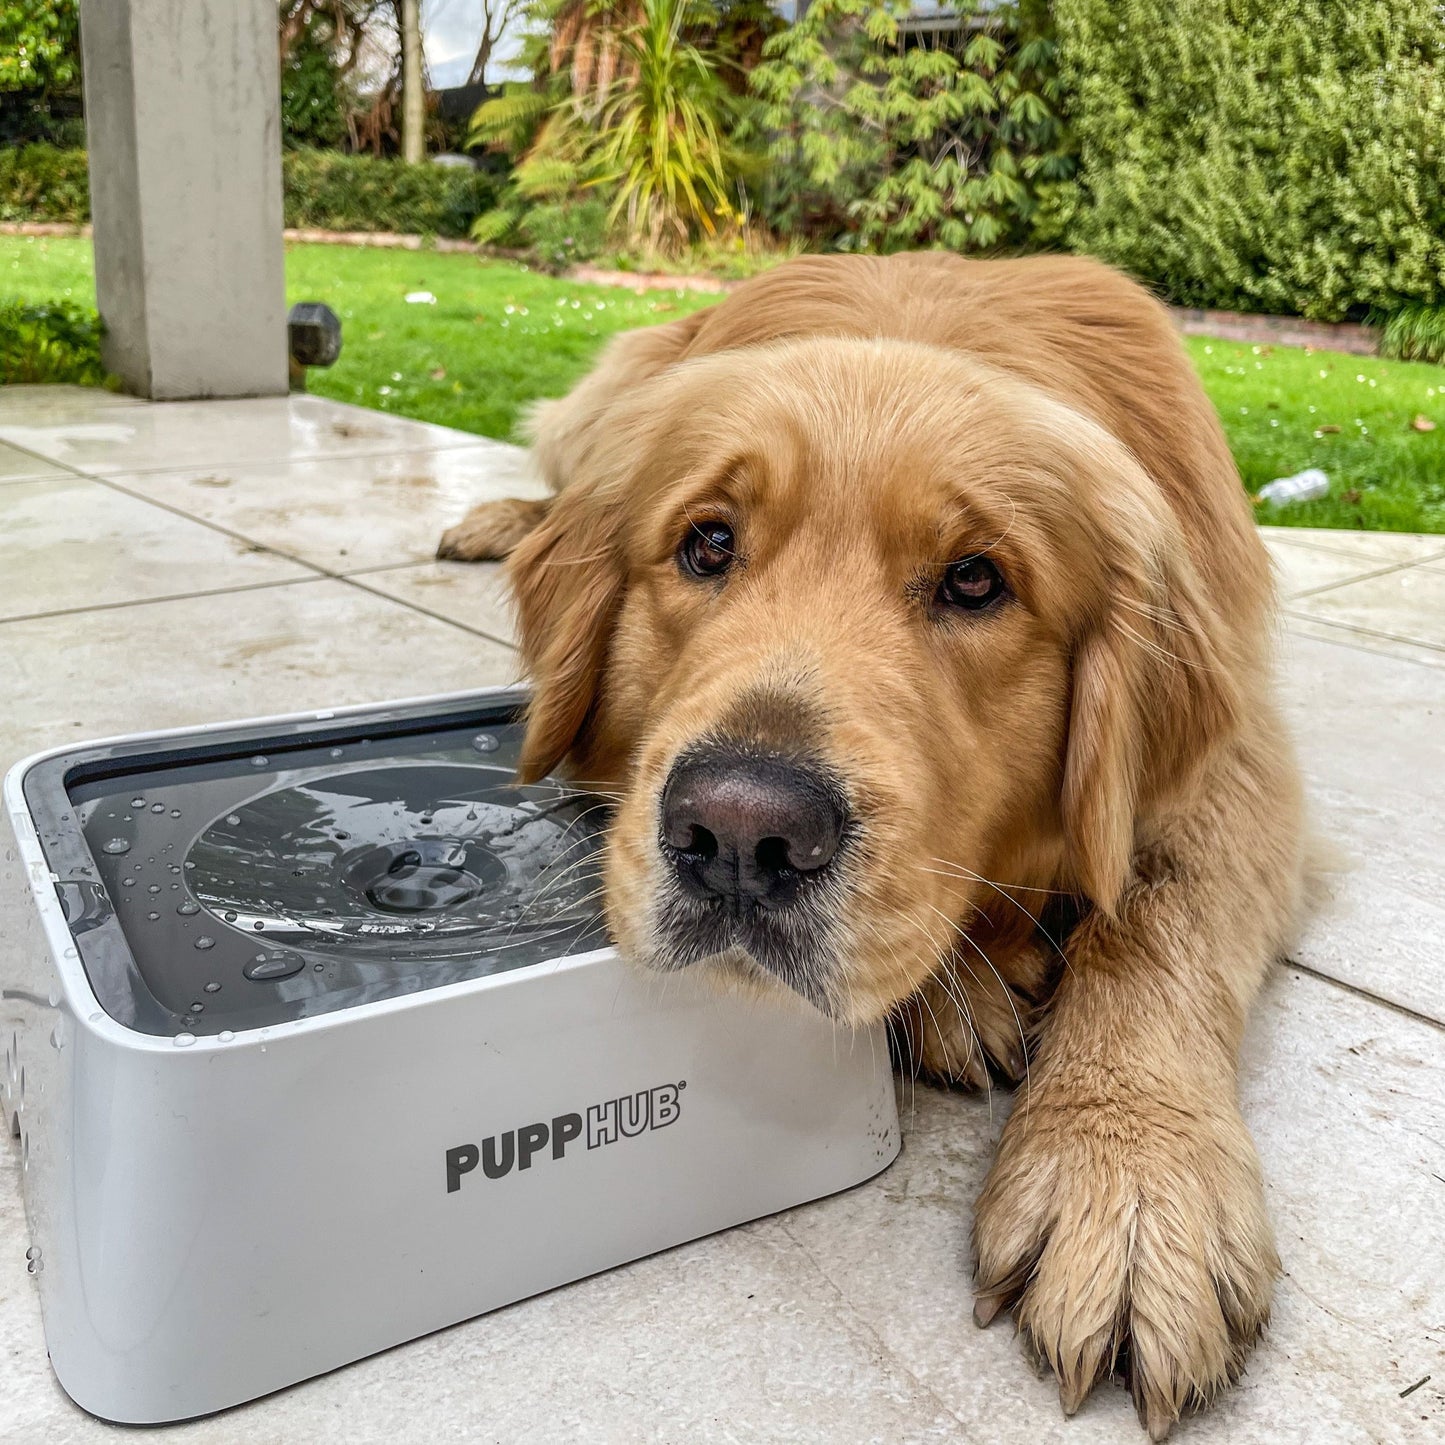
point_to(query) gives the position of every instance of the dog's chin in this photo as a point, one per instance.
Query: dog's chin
(757, 948)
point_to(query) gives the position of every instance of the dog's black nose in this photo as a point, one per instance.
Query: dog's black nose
(746, 828)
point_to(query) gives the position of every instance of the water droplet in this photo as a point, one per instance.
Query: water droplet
(225, 1036)
(175, 812)
(213, 987)
(117, 845)
(335, 752)
(198, 1008)
(152, 916)
(318, 967)
(158, 807)
(426, 818)
(259, 925)
(270, 967)
(234, 819)
(342, 836)
(187, 908)
(258, 761)
(137, 802)
(127, 882)
(485, 743)
(184, 1041)
(205, 942)
(154, 888)
(57, 1038)
(174, 867)
(229, 915)
(189, 863)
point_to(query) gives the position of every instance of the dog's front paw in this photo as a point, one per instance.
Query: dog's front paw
(1131, 1236)
(491, 531)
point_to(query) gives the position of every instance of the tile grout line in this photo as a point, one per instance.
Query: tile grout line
(1363, 993)
(1365, 631)
(168, 597)
(1351, 641)
(351, 580)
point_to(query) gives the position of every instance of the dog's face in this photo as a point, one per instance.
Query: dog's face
(858, 631)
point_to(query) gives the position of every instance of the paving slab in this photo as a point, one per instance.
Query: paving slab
(471, 594)
(350, 513)
(234, 655)
(1371, 736)
(162, 436)
(75, 544)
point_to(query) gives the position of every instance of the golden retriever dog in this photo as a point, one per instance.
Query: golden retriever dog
(913, 612)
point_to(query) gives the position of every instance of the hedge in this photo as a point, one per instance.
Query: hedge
(1257, 155)
(338, 192)
(325, 189)
(42, 183)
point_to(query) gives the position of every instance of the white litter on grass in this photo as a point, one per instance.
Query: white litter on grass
(420, 298)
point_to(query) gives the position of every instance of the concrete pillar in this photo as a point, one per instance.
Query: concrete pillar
(183, 125)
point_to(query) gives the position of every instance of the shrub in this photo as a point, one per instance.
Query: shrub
(338, 192)
(1414, 333)
(882, 137)
(55, 342)
(557, 235)
(42, 183)
(1256, 155)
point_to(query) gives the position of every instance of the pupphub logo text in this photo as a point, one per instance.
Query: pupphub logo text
(606, 1123)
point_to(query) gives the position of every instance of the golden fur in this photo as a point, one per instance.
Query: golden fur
(1108, 737)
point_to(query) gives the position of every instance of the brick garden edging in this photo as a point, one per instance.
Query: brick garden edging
(1346, 336)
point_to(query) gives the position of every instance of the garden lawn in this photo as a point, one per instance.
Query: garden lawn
(499, 336)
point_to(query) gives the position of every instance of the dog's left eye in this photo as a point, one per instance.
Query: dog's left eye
(973, 584)
(708, 549)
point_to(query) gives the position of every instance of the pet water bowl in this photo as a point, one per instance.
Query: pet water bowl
(314, 1043)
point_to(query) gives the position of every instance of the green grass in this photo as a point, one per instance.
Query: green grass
(500, 335)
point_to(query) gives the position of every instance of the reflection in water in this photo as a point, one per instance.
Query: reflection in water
(411, 860)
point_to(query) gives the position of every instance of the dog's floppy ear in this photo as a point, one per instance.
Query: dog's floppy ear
(566, 579)
(1154, 689)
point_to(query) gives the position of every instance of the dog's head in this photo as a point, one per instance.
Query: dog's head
(857, 630)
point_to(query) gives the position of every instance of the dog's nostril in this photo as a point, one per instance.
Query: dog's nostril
(772, 855)
(700, 843)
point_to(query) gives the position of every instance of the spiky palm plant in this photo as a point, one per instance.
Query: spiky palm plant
(628, 106)
(661, 141)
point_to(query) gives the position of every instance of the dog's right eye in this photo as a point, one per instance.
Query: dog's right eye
(707, 550)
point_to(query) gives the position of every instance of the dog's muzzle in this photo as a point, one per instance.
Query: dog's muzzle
(752, 841)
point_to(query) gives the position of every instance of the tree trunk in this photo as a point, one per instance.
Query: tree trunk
(413, 102)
